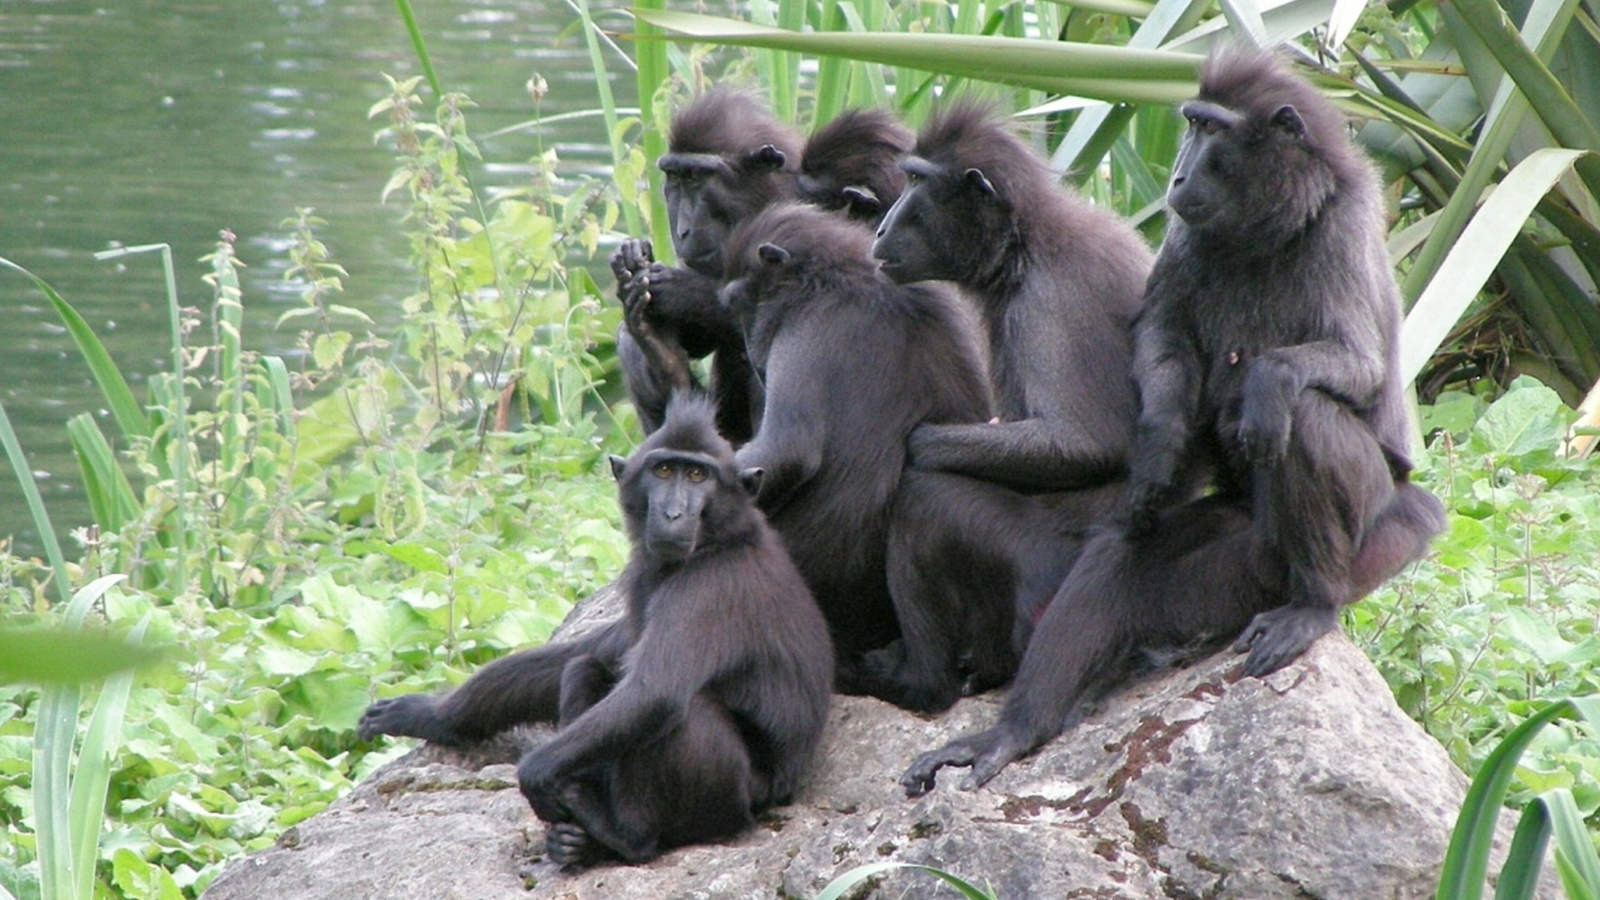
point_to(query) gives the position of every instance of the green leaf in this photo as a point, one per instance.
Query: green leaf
(1482, 244)
(1466, 862)
(839, 886)
(1519, 876)
(1114, 74)
(48, 655)
(92, 779)
(419, 557)
(1581, 875)
(111, 496)
(1528, 419)
(127, 411)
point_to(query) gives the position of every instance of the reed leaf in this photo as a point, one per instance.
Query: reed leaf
(130, 416)
(53, 734)
(1474, 257)
(30, 495)
(1466, 862)
(1113, 74)
(111, 497)
(838, 887)
(91, 777)
(1546, 23)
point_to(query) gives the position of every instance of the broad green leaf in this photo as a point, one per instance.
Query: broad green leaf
(419, 557)
(1529, 418)
(1472, 261)
(1114, 74)
(50, 655)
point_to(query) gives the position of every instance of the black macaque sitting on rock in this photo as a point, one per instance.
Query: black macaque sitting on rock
(852, 363)
(1265, 357)
(698, 709)
(729, 158)
(992, 515)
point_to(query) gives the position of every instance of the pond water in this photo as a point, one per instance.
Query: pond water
(165, 121)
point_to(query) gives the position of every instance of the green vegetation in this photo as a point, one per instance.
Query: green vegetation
(381, 513)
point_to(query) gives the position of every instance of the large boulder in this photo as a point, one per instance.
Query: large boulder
(1194, 783)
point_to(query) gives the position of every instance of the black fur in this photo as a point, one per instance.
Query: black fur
(699, 708)
(851, 363)
(729, 157)
(853, 164)
(991, 518)
(1265, 357)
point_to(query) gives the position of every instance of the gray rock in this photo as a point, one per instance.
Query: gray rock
(1196, 783)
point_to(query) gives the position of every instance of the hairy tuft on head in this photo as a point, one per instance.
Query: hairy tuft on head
(806, 233)
(859, 148)
(690, 423)
(970, 134)
(730, 123)
(1257, 83)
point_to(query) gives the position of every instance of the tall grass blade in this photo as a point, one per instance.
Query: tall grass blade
(833, 72)
(1283, 20)
(1096, 124)
(129, 414)
(282, 394)
(652, 75)
(53, 734)
(1519, 877)
(415, 32)
(178, 435)
(608, 104)
(1115, 74)
(91, 778)
(839, 886)
(1476, 254)
(1573, 843)
(1346, 13)
(1244, 19)
(30, 495)
(111, 497)
(1550, 100)
(1466, 862)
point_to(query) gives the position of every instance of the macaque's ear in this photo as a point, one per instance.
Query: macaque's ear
(772, 254)
(618, 464)
(750, 480)
(1288, 118)
(977, 179)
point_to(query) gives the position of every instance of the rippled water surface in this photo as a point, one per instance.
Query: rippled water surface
(137, 122)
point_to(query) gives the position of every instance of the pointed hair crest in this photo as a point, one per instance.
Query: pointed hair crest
(731, 123)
